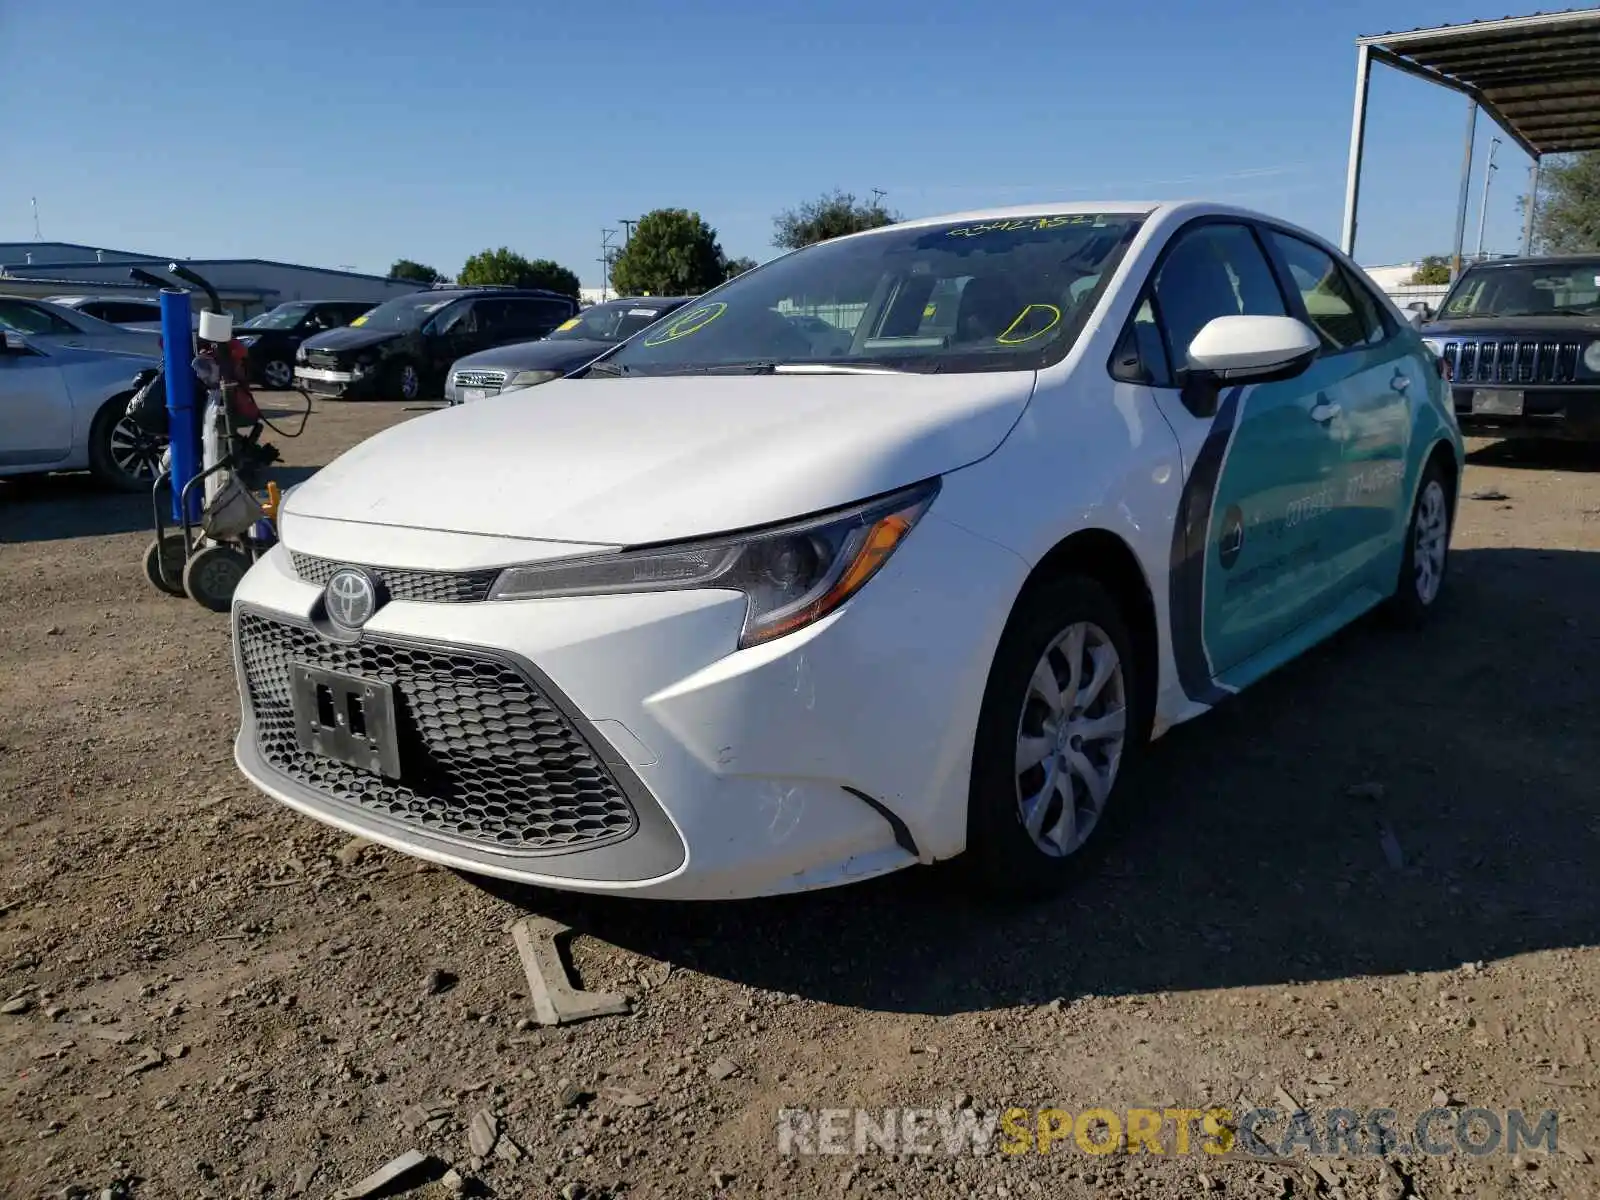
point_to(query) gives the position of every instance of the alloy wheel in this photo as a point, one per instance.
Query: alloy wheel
(410, 382)
(1070, 738)
(136, 452)
(278, 374)
(1430, 533)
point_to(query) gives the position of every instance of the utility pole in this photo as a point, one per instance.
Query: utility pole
(607, 251)
(877, 197)
(627, 228)
(1483, 208)
(37, 236)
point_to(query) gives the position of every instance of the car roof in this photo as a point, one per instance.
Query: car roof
(69, 301)
(488, 290)
(1537, 260)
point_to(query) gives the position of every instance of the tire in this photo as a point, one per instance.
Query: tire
(123, 456)
(211, 575)
(1003, 856)
(1426, 559)
(277, 374)
(403, 382)
(166, 555)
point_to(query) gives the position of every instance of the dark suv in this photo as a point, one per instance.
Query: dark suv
(1520, 338)
(271, 338)
(402, 349)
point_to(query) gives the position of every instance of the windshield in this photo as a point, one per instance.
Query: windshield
(996, 295)
(285, 316)
(1551, 289)
(614, 322)
(404, 312)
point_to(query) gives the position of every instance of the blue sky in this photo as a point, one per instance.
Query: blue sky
(359, 132)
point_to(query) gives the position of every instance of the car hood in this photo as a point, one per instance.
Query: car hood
(564, 354)
(350, 339)
(1498, 327)
(632, 461)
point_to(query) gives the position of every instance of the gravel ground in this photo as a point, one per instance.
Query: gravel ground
(1368, 882)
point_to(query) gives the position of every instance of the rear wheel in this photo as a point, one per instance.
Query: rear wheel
(1427, 550)
(122, 454)
(1058, 730)
(164, 561)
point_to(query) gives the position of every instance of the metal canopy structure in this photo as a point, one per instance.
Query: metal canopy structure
(1537, 77)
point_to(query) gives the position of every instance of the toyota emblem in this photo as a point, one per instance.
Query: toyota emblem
(351, 597)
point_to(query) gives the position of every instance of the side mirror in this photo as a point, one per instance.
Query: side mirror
(1419, 313)
(15, 343)
(1236, 350)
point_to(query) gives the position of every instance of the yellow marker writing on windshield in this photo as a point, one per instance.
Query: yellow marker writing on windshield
(692, 321)
(1005, 339)
(565, 325)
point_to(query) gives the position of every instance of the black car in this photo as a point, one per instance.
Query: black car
(576, 342)
(402, 349)
(1520, 338)
(271, 338)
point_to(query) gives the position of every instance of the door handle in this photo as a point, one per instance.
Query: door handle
(1325, 411)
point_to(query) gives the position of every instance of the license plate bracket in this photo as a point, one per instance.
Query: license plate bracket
(1497, 402)
(474, 393)
(347, 718)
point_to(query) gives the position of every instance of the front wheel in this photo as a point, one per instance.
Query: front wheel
(405, 381)
(278, 374)
(1057, 732)
(1427, 551)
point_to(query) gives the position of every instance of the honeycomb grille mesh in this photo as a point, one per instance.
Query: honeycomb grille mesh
(428, 587)
(485, 758)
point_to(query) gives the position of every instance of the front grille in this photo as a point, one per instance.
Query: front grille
(326, 360)
(485, 757)
(480, 379)
(1512, 361)
(427, 587)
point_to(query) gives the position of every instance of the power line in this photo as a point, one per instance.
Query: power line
(627, 228)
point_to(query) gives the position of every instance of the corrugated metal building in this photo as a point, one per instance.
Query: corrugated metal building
(247, 285)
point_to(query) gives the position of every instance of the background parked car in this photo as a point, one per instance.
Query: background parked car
(48, 324)
(138, 313)
(64, 408)
(271, 339)
(577, 341)
(403, 349)
(1521, 340)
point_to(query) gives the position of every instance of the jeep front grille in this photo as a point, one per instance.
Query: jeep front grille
(1512, 361)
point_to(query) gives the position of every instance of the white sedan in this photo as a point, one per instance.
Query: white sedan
(58, 325)
(65, 409)
(761, 604)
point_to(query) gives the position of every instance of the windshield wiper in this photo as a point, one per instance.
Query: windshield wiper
(614, 370)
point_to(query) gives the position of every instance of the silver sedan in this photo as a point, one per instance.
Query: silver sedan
(64, 409)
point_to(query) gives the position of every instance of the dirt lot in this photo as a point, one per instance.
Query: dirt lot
(1369, 881)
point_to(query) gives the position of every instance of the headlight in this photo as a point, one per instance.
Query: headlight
(1591, 357)
(300, 354)
(530, 378)
(249, 339)
(791, 575)
(1435, 344)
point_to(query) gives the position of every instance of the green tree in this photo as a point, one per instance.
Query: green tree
(672, 252)
(405, 268)
(831, 215)
(508, 268)
(738, 266)
(1567, 220)
(1435, 269)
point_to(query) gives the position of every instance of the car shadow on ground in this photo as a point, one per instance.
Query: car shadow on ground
(1536, 454)
(49, 508)
(1392, 802)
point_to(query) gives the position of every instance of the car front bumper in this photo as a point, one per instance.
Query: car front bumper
(1563, 411)
(324, 381)
(831, 755)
